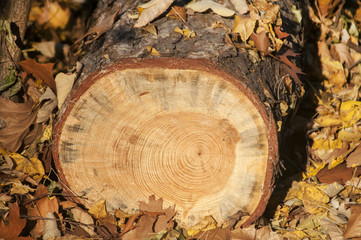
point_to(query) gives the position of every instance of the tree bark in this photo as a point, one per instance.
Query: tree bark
(17, 14)
(196, 126)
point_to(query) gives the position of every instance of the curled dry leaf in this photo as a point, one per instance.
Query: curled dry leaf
(18, 117)
(241, 6)
(64, 84)
(152, 10)
(244, 25)
(204, 5)
(83, 217)
(49, 103)
(15, 224)
(50, 227)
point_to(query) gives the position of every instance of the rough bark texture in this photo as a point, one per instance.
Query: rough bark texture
(122, 47)
(16, 13)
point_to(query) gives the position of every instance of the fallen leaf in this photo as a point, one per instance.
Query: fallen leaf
(340, 174)
(41, 207)
(341, 52)
(18, 118)
(354, 159)
(99, 210)
(143, 229)
(261, 41)
(206, 224)
(50, 227)
(53, 15)
(178, 12)
(326, 5)
(252, 233)
(64, 84)
(214, 234)
(241, 6)
(48, 103)
(244, 25)
(152, 10)
(152, 51)
(204, 5)
(151, 29)
(15, 224)
(333, 189)
(331, 228)
(280, 34)
(290, 67)
(40, 70)
(354, 223)
(84, 218)
(185, 32)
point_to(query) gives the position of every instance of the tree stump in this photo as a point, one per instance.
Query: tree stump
(194, 126)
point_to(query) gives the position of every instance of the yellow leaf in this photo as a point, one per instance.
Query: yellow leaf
(326, 144)
(312, 197)
(19, 188)
(244, 26)
(284, 108)
(207, 223)
(152, 51)
(336, 162)
(334, 72)
(178, 30)
(47, 134)
(349, 134)
(32, 167)
(350, 112)
(312, 171)
(328, 121)
(99, 210)
(188, 33)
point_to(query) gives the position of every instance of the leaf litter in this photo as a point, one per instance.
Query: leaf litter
(324, 205)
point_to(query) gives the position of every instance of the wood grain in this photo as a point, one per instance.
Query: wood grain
(190, 136)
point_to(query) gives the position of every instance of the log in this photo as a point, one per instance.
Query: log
(195, 126)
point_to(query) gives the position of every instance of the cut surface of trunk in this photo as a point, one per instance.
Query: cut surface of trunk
(180, 129)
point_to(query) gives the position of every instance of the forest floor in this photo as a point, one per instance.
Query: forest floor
(317, 196)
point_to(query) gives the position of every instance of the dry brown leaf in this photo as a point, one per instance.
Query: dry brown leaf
(83, 217)
(241, 6)
(214, 234)
(354, 159)
(18, 118)
(143, 230)
(340, 52)
(204, 5)
(152, 10)
(290, 67)
(251, 233)
(340, 174)
(261, 41)
(42, 206)
(178, 12)
(49, 103)
(244, 25)
(326, 5)
(15, 224)
(40, 71)
(64, 84)
(280, 34)
(354, 223)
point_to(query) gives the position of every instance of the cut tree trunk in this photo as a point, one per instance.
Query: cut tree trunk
(195, 126)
